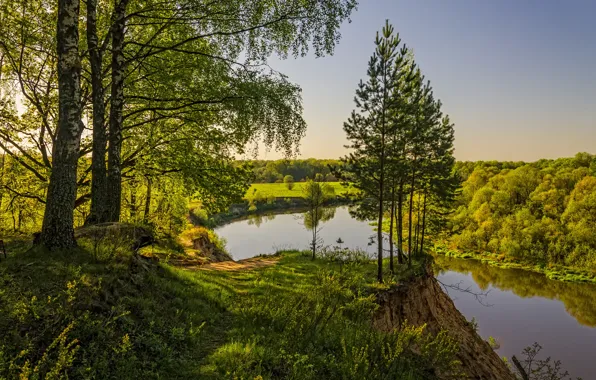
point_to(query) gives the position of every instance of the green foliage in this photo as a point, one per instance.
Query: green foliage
(265, 171)
(321, 329)
(63, 316)
(289, 181)
(401, 149)
(540, 212)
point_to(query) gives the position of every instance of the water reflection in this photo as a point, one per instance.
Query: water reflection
(258, 234)
(578, 298)
(313, 219)
(258, 219)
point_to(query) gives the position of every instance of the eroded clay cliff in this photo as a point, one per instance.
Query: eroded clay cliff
(423, 301)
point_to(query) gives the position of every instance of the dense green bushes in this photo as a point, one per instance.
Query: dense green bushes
(541, 212)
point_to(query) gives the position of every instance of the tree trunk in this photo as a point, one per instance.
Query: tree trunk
(410, 218)
(417, 233)
(98, 212)
(133, 201)
(380, 228)
(400, 227)
(2, 174)
(147, 201)
(114, 178)
(423, 221)
(391, 229)
(57, 231)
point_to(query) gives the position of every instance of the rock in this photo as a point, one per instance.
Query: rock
(136, 236)
(423, 301)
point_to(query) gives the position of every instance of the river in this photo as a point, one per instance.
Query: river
(520, 308)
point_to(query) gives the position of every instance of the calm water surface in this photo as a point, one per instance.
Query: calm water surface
(524, 307)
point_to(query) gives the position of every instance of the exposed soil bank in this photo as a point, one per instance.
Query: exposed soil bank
(422, 301)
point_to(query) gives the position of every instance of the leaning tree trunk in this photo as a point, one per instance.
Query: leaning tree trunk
(57, 231)
(114, 178)
(98, 212)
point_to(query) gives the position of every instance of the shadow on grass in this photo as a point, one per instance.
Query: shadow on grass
(64, 312)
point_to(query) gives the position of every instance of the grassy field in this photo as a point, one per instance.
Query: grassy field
(70, 315)
(280, 190)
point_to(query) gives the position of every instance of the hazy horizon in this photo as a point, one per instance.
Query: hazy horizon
(516, 78)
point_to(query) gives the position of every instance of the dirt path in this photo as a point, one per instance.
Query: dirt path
(248, 264)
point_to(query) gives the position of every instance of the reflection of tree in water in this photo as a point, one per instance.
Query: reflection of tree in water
(257, 219)
(578, 298)
(314, 219)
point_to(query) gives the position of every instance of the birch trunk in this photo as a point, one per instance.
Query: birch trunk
(57, 231)
(114, 177)
(98, 213)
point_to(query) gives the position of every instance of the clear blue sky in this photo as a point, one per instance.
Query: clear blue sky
(517, 77)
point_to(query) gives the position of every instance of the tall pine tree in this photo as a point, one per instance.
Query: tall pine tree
(369, 130)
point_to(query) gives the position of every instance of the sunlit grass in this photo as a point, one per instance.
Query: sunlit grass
(280, 190)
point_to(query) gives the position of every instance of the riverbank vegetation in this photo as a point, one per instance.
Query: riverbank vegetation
(274, 171)
(541, 213)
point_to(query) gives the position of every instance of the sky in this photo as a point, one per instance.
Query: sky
(517, 78)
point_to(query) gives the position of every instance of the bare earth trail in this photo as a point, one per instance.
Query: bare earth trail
(247, 264)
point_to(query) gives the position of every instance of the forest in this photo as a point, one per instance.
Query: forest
(274, 171)
(542, 212)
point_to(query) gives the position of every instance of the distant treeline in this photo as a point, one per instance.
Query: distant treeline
(265, 171)
(543, 211)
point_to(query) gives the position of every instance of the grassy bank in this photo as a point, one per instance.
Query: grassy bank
(553, 272)
(74, 315)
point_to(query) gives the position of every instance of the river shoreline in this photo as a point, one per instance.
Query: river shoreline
(553, 272)
(243, 211)
(283, 206)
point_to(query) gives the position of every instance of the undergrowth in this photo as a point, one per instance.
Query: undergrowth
(70, 315)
